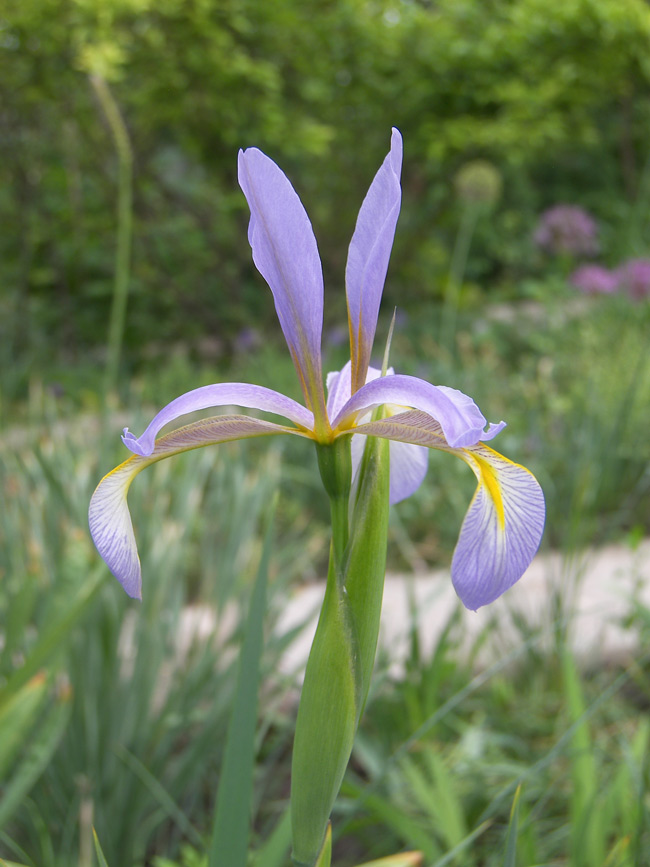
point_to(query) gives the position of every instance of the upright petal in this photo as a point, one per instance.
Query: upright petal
(461, 420)
(505, 521)
(338, 389)
(408, 467)
(108, 516)
(408, 463)
(219, 394)
(286, 254)
(368, 258)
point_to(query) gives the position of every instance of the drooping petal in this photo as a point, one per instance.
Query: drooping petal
(368, 258)
(461, 420)
(505, 521)
(501, 531)
(219, 394)
(108, 516)
(286, 254)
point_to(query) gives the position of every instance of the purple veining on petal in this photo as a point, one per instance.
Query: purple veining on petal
(491, 555)
(368, 257)
(460, 419)
(286, 254)
(108, 515)
(219, 394)
(489, 558)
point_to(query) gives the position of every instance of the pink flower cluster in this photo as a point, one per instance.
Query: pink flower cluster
(632, 277)
(567, 230)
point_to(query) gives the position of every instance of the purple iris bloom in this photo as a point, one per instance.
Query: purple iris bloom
(594, 280)
(504, 524)
(567, 229)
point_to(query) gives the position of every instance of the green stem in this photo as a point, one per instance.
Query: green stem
(124, 229)
(335, 465)
(456, 274)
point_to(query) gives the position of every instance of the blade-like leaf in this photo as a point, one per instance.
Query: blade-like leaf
(17, 716)
(325, 857)
(98, 851)
(52, 637)
(510, 859)
(232, 820)
(326, 723)
(274, 852)
(366, 564)
(35, 759)
(404, 859)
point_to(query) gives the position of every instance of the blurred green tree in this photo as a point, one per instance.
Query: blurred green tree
(553, 92)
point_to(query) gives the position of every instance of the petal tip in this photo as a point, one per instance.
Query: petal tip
(396, 149)
(134, 445)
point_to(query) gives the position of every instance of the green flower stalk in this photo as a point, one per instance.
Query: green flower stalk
(372, 434)
(340, 663)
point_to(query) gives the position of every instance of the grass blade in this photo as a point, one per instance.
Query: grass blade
(451, 855)
(53, 637)
(159, 793)
(232, 819)
(325, 857)
(36, 758)
(510, 859)
(98, 851)
(404, 859)
(274, 852)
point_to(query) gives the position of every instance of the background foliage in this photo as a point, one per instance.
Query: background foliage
(558, 103)
(114, 715)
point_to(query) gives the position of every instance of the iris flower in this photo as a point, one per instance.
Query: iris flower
(503, 527)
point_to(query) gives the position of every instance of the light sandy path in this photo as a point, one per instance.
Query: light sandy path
(593, 592)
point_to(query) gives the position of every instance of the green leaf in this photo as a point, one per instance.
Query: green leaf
(232, 821)
(52, 638)
(510, 859)
(36, 758)
(366, 564)
(274, 852)
(404, 859)
(158, 792)
(325, 726)
(588, 834)
(98, 851)
(325, 857)
(17, 716)
(340, 663)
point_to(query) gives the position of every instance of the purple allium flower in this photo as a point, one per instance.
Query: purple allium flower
(594, 280)
(247, 339)
(634, 278)
(338, 335)
(567, 229)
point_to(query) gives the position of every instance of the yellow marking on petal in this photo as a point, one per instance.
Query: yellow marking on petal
(140, 461)
(491, 482)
